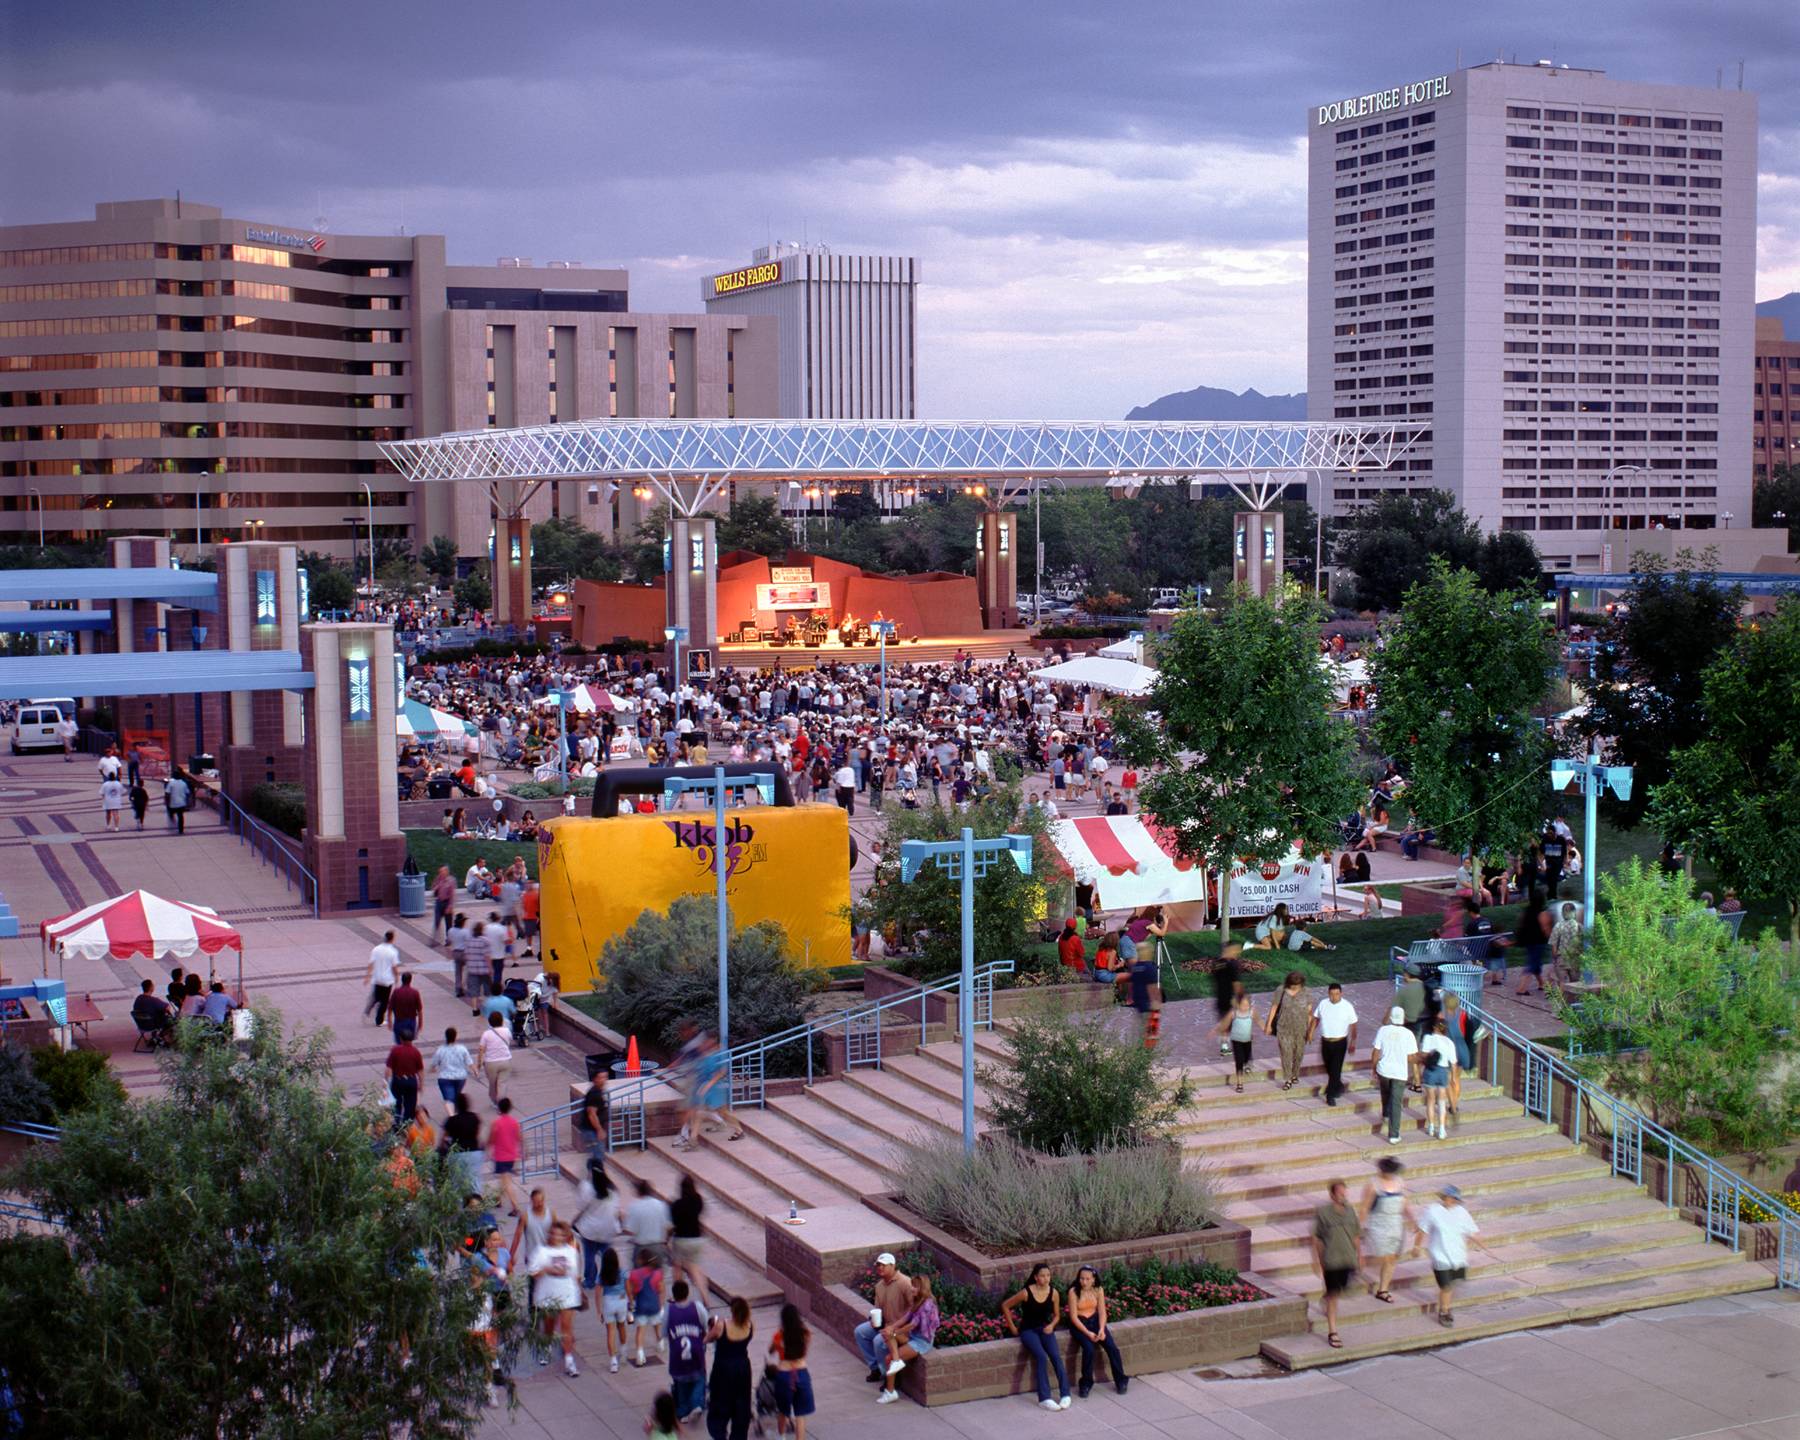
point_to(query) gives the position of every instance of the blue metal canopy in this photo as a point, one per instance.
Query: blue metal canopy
(179, 672)
(1752, 582)
(196, 588)
(49, 622)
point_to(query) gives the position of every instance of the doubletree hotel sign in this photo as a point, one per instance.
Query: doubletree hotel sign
(1377, 101)
(747, 279)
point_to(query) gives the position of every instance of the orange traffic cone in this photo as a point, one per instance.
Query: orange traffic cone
(632, 1065)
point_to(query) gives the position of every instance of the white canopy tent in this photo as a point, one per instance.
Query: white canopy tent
(1119, 677)
(1130, 648)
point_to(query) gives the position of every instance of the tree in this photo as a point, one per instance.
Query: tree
(1388, 544)
(665, 969)
(1697, 1029)
(243, 1222)
(439, 559)
(1456, 677)
(1646, 699)
(1733, 796)
(565, 549)
(755, 523)
(401, 573)
(1779, 495)
(929, 909)
(329, 588)
(473, 592)
(1242, 756)
(1509, 561)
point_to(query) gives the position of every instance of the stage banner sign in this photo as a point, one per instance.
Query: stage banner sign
(805, 595)
(1298, 883)
(790, 574)
(786, 864)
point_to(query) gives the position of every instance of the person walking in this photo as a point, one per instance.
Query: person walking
(685, 1326)
(1533, 932)
(1392, 1058)
(406, 1007)
(1032, 1314)
(1461, 1030)
(506, 1142)
(443, 899)
(1088, 1323)
(728, 1407)
(1336, 1253)
(1334, 1022)
(140, 800)
(687, 1241)
(1445, 1228)
(384, 969)
(913, 1335)
(615, 1306)
(462, 1141)
(1387, 1219)
(66, 732)
(404, 1067)
(644, 1288)
(793, 1381)
(178, 795)
(493, 1055)
(555, 1288)
(1290, 1022)
(1437, 1063)
(1225, 978)
(450, 1063)
(1240, 1024)
(112, 800)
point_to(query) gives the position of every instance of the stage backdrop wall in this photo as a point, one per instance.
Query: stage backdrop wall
(787, 865)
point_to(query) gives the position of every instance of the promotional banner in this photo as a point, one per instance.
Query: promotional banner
(790, 865)
(812, 595)
(1298, 883)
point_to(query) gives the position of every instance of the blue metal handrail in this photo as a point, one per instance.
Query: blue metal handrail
(1726, 1191)
(33, 1131)
(627, 1101)
(270, 846)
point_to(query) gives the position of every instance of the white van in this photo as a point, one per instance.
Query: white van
(34, 728)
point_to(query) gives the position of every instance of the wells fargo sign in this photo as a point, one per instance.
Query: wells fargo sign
(748, 277)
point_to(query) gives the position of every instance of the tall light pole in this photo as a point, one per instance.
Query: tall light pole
(675, 634)
(1319, 540)
(1593, 777)
(883, 628)
(371, 494)
(198, 542)
(965, 860)
(1726, 517)
(1037, 590)
(355, 559)
(40, 509)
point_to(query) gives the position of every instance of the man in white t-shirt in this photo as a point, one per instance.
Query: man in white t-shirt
(1393, 1056)
(384, 969)
(1334, 1022)
(843, 779)
(1445, 1228)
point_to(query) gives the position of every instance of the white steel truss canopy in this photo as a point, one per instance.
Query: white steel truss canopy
(721, 450)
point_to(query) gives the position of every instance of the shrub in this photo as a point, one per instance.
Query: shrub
(75, 1079)
(665, 969)
(280, 805)
(1082, 632)
(1155, 1287)
(1009, 1201)
(1076, 1086)
(538, 790)
(24, 1099)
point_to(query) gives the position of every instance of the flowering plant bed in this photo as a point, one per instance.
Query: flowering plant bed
(970, 1315)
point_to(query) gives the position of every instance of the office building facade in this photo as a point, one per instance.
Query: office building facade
(1775, 416)
(848, 328)
(1552, 271)
(167, 369)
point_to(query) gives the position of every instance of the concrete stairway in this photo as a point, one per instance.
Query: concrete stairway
(1561, 1239)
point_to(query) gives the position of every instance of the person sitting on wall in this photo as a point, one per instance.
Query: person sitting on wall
(1275, 931)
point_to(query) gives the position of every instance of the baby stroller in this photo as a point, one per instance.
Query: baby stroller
(766, 1402)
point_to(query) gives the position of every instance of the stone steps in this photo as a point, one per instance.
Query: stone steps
(1497, 1160)
(859, 1174)
(1531, 1298)
(844, 1128)
(1355, 1146)
(1215, 1112)
(1501, 1190)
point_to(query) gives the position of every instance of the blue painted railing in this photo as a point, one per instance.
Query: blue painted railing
(270, 847)
(866, 1040)
(1714, 1190)
(23, 1211)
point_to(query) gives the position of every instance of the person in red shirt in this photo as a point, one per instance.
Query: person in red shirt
(406, 1007)
(1128, 782)
(404, 1067)
(1070, 949)
(506, 1142)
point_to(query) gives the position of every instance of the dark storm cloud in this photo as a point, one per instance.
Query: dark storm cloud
(1126, 171)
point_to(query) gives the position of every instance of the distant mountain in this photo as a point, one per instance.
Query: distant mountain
(1787, 307)
(1206, 403)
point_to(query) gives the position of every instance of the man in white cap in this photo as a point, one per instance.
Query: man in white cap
(1393, 1054)
(1446, 1227)
(893, 1298)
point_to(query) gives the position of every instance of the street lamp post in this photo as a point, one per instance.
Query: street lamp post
(719, 785)
(1593, 778)
(371, 494)
(883, 628)
(40, 509)
(1726, 517)
(675, 634)
(965, 860)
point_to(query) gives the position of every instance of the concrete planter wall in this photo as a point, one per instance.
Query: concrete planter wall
(1221, 1244)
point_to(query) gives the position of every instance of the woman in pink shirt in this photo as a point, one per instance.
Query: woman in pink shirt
(505, 1143)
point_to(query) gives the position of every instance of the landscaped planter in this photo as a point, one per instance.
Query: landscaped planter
(1018, 1000)
(1223, 1243)
(1149, 1345)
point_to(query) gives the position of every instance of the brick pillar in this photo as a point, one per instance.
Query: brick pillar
(512, 571)
(353, 841)
(259, 606)
(691, 586)
(997, 568)
(1258, 551)
(137, 629)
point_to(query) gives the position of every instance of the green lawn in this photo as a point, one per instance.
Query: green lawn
(432, 848)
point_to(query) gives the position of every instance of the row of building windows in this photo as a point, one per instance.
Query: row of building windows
(195, 465)
(1613, 436)
(200, 359)
(208, 430)
(1603, 407)
(198, 395)
(1403, 122)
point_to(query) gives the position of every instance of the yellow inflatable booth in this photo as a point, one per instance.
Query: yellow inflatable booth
(786, 864)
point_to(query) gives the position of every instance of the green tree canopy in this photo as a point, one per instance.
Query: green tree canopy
(1646, 698)
(1241, 754)
(565, 549)
(1388, 546)
(473, 591)
(329, 587)
(439, 559)
(756, 523)
(1709, 1028)
(1456, 677)
(1733, 795)
(1779, 495)
(240, 1258)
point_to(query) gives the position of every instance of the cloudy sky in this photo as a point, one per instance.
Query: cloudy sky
(1109, 199)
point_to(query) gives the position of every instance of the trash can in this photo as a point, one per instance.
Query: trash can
(601, 1061)
(645, 1067)
(412, 895)
(1462, 981)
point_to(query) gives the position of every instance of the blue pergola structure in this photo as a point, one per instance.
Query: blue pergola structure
(1751, 582)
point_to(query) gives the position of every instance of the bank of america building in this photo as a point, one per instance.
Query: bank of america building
(1553, 271)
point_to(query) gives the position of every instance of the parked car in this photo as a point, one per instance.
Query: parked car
(35, 726)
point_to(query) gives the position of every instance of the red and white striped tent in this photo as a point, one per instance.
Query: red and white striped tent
(1131, 863)
(139, 925)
